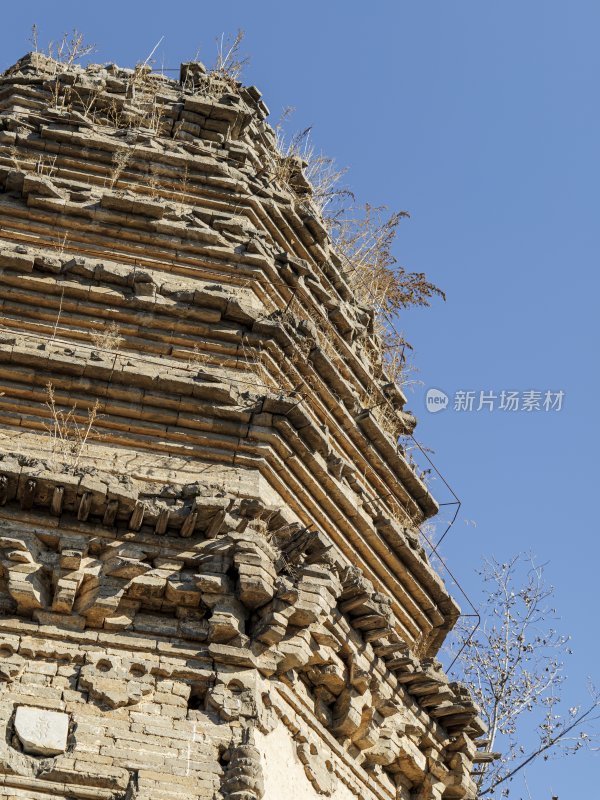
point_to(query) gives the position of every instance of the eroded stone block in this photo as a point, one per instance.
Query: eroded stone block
(42, 732)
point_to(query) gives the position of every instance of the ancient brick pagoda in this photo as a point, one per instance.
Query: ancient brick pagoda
(211, 581)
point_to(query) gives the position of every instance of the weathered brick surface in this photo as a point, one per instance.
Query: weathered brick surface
(218, 579)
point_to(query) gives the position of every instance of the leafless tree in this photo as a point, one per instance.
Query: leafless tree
(514, 666)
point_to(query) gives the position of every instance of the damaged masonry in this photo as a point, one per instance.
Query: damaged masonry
(211, 578)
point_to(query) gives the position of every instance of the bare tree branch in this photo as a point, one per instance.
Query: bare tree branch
(513, 666)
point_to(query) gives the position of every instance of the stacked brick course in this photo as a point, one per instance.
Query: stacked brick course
(218, 591)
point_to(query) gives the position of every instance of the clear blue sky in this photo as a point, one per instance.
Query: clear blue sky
(482, 119)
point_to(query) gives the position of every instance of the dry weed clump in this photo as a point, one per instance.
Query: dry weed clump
(109, 338)
(229, 63)
(252, 360)
(198, 358)
(59, 312)
(68, 50)
(225, 73)
(46, 165)
(143, 112)
(68, 437)
(58, 56)
(298, 166)
(120, 159)
(382, 411)
(363, 237)
(365, 243)
(326, 341)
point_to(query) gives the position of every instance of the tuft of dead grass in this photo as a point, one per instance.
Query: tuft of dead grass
(300, 167)
(229, 63)
(109, 338)
(364, 238)
(253, 362)
(67, 50)
(365, 242)
(68, 436)
(198, 358)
